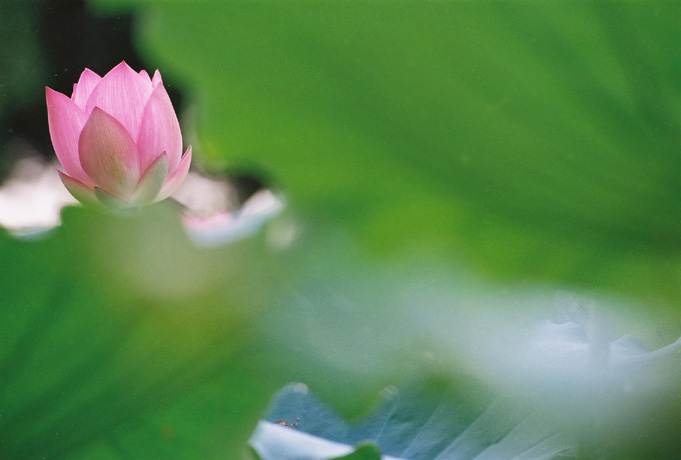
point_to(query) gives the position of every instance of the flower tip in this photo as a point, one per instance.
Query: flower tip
(122, 68)
(51, 96)
(156, 78)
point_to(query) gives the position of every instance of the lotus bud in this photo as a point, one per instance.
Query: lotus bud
(117, 138)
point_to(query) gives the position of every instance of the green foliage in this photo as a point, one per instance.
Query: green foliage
(120, 339)
(532, 140)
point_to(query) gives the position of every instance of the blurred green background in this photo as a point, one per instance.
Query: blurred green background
(532, 141)
(521, 143)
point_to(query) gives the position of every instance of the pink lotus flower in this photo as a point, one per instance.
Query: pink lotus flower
(117, 138)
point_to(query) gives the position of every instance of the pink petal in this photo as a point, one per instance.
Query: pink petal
(178, 176)
(157, 78)
(80, 191)
(145, 75)
(108, 154)
(151, 182)
(83, 89)
(160, 131)
(66, 122)
(123, 94)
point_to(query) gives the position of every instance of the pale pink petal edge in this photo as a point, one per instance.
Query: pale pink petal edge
(86, 84)
(159, 131)
(79, 190)
(177, 177)
(65, 122)
(156, 79)
(151, 182)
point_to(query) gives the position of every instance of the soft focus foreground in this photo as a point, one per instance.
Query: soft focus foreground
(487, 193)
(118, 139)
